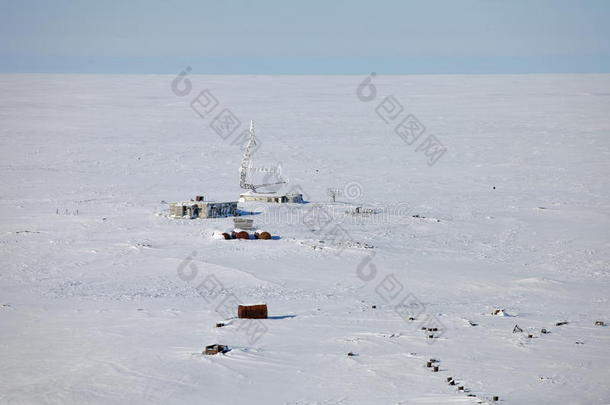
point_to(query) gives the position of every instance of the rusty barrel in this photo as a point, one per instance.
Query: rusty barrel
(252, 311)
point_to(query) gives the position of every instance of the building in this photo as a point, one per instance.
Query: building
(202, 209)
(271, 197)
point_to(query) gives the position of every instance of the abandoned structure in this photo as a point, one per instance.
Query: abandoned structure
(271, 197)
(202, 209)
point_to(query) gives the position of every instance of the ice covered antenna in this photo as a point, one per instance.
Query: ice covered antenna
(245, 164)
(245, 161)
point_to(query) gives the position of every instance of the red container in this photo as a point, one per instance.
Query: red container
(252, 311)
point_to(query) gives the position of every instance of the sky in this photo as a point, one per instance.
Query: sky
(305, 37)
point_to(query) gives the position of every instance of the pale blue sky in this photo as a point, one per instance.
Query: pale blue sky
(307, 37)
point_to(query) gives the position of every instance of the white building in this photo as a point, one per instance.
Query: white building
(250, 196)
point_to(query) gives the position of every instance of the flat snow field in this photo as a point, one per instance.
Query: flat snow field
(104, 299)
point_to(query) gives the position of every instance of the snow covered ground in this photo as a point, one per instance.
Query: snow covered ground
(104, 299)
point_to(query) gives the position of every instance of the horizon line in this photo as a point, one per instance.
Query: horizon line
(101, 73)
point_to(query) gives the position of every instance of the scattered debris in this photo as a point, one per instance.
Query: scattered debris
(552, 380)
(65, 212)
(499, 312)
(561, 323)
(353, 244)
(422, 217)
(258, 311)
(517, 329)
(362, 211)
(144, 245)
(215, 349)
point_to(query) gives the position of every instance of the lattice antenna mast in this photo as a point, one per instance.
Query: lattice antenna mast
(246, 163)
